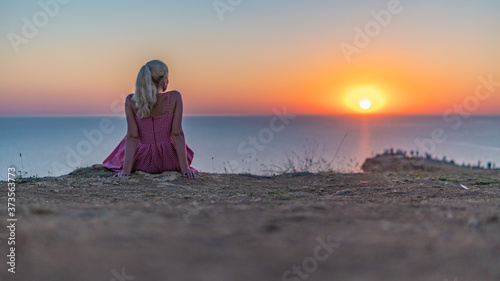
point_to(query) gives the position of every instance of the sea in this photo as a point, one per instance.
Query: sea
(260, 145)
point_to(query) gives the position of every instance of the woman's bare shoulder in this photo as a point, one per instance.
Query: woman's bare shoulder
(174, 95)
(130, 98)
(130, 102)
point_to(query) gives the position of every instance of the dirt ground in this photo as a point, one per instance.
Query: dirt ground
(381, 226)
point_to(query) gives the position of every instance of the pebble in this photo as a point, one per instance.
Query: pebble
(344, 192)
(301, 195)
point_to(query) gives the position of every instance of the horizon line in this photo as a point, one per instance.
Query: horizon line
(256, 115)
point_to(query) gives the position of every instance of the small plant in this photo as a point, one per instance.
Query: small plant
(486, 181)
(283, 197)
(22, 175)
(29, 179)
(22, 165)
(225, 169)
(278, 195)
(153, 194)
(443, 178)
(310, 161)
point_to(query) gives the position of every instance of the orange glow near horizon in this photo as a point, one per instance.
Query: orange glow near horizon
(251, 63)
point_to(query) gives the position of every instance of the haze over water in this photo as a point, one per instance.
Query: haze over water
(59, 145)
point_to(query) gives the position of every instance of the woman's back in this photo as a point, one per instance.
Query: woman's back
(161, 107)
(155, 151)
(157, 128)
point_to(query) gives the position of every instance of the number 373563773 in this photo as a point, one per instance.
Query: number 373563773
(11, 207)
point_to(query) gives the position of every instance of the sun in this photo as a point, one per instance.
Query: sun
(365, 104)
(365, 98)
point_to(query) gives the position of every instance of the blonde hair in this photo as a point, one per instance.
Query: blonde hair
(148, 85)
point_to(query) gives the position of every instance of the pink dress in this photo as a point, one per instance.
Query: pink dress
(155, 152)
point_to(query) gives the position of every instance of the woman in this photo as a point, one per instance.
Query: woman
(155, 140)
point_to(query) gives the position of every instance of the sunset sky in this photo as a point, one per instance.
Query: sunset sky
(250, 58)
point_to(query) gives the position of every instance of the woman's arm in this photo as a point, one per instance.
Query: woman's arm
(178, 136)
(131, 139)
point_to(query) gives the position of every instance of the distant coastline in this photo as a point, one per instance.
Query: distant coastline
(400, 160)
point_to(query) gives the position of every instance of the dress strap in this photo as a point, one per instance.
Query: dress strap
(168, 102)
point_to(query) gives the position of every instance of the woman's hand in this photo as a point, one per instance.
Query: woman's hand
(186, 172)
(121, 174)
